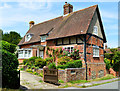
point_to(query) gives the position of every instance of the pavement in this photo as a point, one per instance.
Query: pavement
(30, 81)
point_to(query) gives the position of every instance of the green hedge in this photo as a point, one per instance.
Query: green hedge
(9, 71)
(8, 46)
(74, 64)
(107, 62)
(40, 62)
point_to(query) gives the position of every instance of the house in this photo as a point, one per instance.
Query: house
(82, 29)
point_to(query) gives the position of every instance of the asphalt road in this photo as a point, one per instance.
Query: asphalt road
(113, 85)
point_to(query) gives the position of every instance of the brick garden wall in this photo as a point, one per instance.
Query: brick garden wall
(71, 74)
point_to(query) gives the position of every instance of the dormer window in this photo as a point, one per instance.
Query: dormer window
(95, 30)
(43, 38)
(28, 37)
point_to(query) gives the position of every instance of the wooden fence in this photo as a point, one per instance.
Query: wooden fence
(50, 75)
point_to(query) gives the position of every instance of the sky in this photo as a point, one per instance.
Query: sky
(15, 16)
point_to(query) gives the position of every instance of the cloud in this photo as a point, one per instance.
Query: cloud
(4, 6)
(35, 5)
(106, 14)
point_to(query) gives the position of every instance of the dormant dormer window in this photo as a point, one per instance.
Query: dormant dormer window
(28, 37)
(95, 30)
(43, 38)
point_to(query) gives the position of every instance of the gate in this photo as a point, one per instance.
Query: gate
(50, 75)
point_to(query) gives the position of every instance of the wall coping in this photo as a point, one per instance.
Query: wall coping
(73, 68)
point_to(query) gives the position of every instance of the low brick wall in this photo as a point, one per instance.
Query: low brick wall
(71, 74)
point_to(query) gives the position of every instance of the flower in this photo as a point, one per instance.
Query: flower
(62, 49)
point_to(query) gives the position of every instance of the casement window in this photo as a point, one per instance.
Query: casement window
(25, 53)
(95, 51)
(69, 48)
(95, 30)
(28, 37)
(43, 38)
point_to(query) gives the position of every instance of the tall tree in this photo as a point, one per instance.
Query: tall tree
(12, 37)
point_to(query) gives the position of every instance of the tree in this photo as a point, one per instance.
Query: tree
(12, 37)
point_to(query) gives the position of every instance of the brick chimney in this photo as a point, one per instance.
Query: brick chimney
(105, 46)
(31, 23)
(68, 8)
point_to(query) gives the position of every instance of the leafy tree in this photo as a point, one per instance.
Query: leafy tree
(12, 37)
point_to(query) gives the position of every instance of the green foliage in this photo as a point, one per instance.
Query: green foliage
(29, 70)
(49, 60)
(41, 74)
(8, 46)
(63, 60)
(26, 61)
(71, 64)
(40, 81)
(75, 54)
(75, 64)
(109, 55)
(79, 81)
(32, 60)
(39, 62)
(60, 81)
(9, 71)
(62, 66)
(21, 68)
(35, 73)
(47, 52)
(107, 62)
(52, 66)
(12, 37)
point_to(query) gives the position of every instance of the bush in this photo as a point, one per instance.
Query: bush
(107, 62)
(49, 60)
(62, 66)
(63, 60)
(32, 60)
(72, 64)
(75, 54)
(26, 61)
(29, 70)
(39, 62)
(35, 73)
(109, 55)
(9, 71)
(8, 46)
(41, 74)
(52, 66)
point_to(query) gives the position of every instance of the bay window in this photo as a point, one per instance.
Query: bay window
(25, 53)
(95, 51)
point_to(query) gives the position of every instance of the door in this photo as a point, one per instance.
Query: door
(42, 54)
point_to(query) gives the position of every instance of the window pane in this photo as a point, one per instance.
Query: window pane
(20, 53)
(25, 53)
(29, 53)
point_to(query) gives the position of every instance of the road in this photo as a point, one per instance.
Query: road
(112, 85)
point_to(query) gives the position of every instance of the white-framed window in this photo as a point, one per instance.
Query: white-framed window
(95, 30)
(28, 37)
(43, 38)
(95, 51)
(25, 53)
(69, 48)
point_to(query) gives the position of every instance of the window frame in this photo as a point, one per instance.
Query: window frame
(27, 38)
(95, 32)
(95, 51)
(71, 48)
(24, 51)
(43, 37)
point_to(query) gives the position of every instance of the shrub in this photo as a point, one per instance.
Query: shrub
(52, 66)
(75, 54)
(107, 62)
(32, 60)
(49, 60)
(39, 62)
(71, 64)
(29, 70)
(109, 55)
(26, 61)
(41, 74)
(62, 66)
(35, 73)
(8, 46)
(63, 60)
(9, 70)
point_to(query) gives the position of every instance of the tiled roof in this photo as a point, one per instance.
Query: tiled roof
(75, 23)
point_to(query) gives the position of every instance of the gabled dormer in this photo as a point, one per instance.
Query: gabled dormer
(28, 37)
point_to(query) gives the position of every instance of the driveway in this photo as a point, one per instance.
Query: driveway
(30, 81)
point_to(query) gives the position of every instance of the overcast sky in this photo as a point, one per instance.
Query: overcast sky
(15, 16)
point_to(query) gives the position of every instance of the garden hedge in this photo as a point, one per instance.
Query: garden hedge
(8, 46)
(9, 71)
